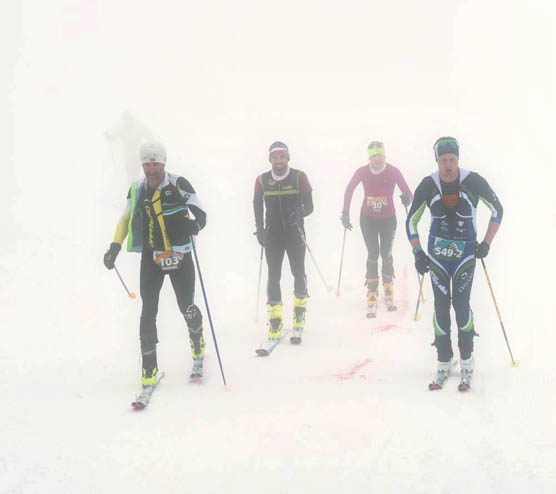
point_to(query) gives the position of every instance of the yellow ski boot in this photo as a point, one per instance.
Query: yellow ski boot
(275, 321)
(299, 310)
(372, 297)
(388, 285)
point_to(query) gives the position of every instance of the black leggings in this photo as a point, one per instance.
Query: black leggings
(287, 241)
(152, 279)
(374, 229)
(451, 284)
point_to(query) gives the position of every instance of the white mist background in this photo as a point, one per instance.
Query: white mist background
(217, 82)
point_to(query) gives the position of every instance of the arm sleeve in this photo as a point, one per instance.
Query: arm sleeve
(350, 188)
(402, 184)
(193, 203)
(258, 203)
(416, 211)
(121, 228)
(490, 199)
(306, 190)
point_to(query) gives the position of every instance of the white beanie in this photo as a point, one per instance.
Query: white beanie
(153, 152)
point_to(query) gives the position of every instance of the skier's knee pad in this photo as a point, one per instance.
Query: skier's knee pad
(193, 318)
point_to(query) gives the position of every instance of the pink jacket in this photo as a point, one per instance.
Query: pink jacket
(379, 189)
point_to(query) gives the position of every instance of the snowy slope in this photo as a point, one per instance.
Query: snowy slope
(349, 409)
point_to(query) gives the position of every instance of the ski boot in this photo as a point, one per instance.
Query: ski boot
(149, 377)
(299, 310)
(442, 373)
(150, 365)
(372, 297)
(275, 321)
(194, 322)
(197, 371)
(466, 374)
(388, 285)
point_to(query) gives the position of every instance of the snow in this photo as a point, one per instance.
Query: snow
(349, 409)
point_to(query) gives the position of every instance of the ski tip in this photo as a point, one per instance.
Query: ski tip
(295, 340)
(261, 352)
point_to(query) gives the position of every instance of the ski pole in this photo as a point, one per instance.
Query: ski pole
(341, 263)
(515, 363)
(329, 288)
(416, 317)
(259, 285)
(421, 294)
(129, 294)
(208, 312)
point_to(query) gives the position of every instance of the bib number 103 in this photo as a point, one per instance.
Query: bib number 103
(168, 260)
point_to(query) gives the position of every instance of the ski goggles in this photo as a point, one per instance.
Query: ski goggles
(446, 145)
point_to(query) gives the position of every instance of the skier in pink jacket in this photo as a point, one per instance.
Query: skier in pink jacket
(378, 220)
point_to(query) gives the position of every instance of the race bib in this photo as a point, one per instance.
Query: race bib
(168, 260)
(377, 203)
(448, 250)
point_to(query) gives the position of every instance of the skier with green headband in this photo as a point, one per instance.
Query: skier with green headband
(377, 220)
(452, 195)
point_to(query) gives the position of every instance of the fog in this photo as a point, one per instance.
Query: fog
(218, 82)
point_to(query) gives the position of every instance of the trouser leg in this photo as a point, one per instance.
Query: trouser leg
(370, 236)
(183, 282)
(441, 319)
(461, 293)
(295, 249)
(151, 280)
(274, 253)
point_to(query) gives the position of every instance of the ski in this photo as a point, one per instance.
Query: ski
(464, 387)
(465, 383)
(144, 397)
(371, 312)
(440, 379)
(267, 348)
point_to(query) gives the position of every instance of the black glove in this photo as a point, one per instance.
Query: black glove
(295, 216)
(481, 250)
(406, 200)
(261, 237)
(111, 254)
(191, 227)
(422, 261)
(345, 220)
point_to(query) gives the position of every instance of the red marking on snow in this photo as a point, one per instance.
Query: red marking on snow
(343, 376)
(384, 327)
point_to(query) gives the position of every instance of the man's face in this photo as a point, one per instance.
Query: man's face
(377, 161)
(279, 161)
(448, 167)
(154, 171)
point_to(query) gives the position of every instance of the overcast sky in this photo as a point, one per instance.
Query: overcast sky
(218, 81)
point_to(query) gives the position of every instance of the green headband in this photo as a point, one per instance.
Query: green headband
(378, 150)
